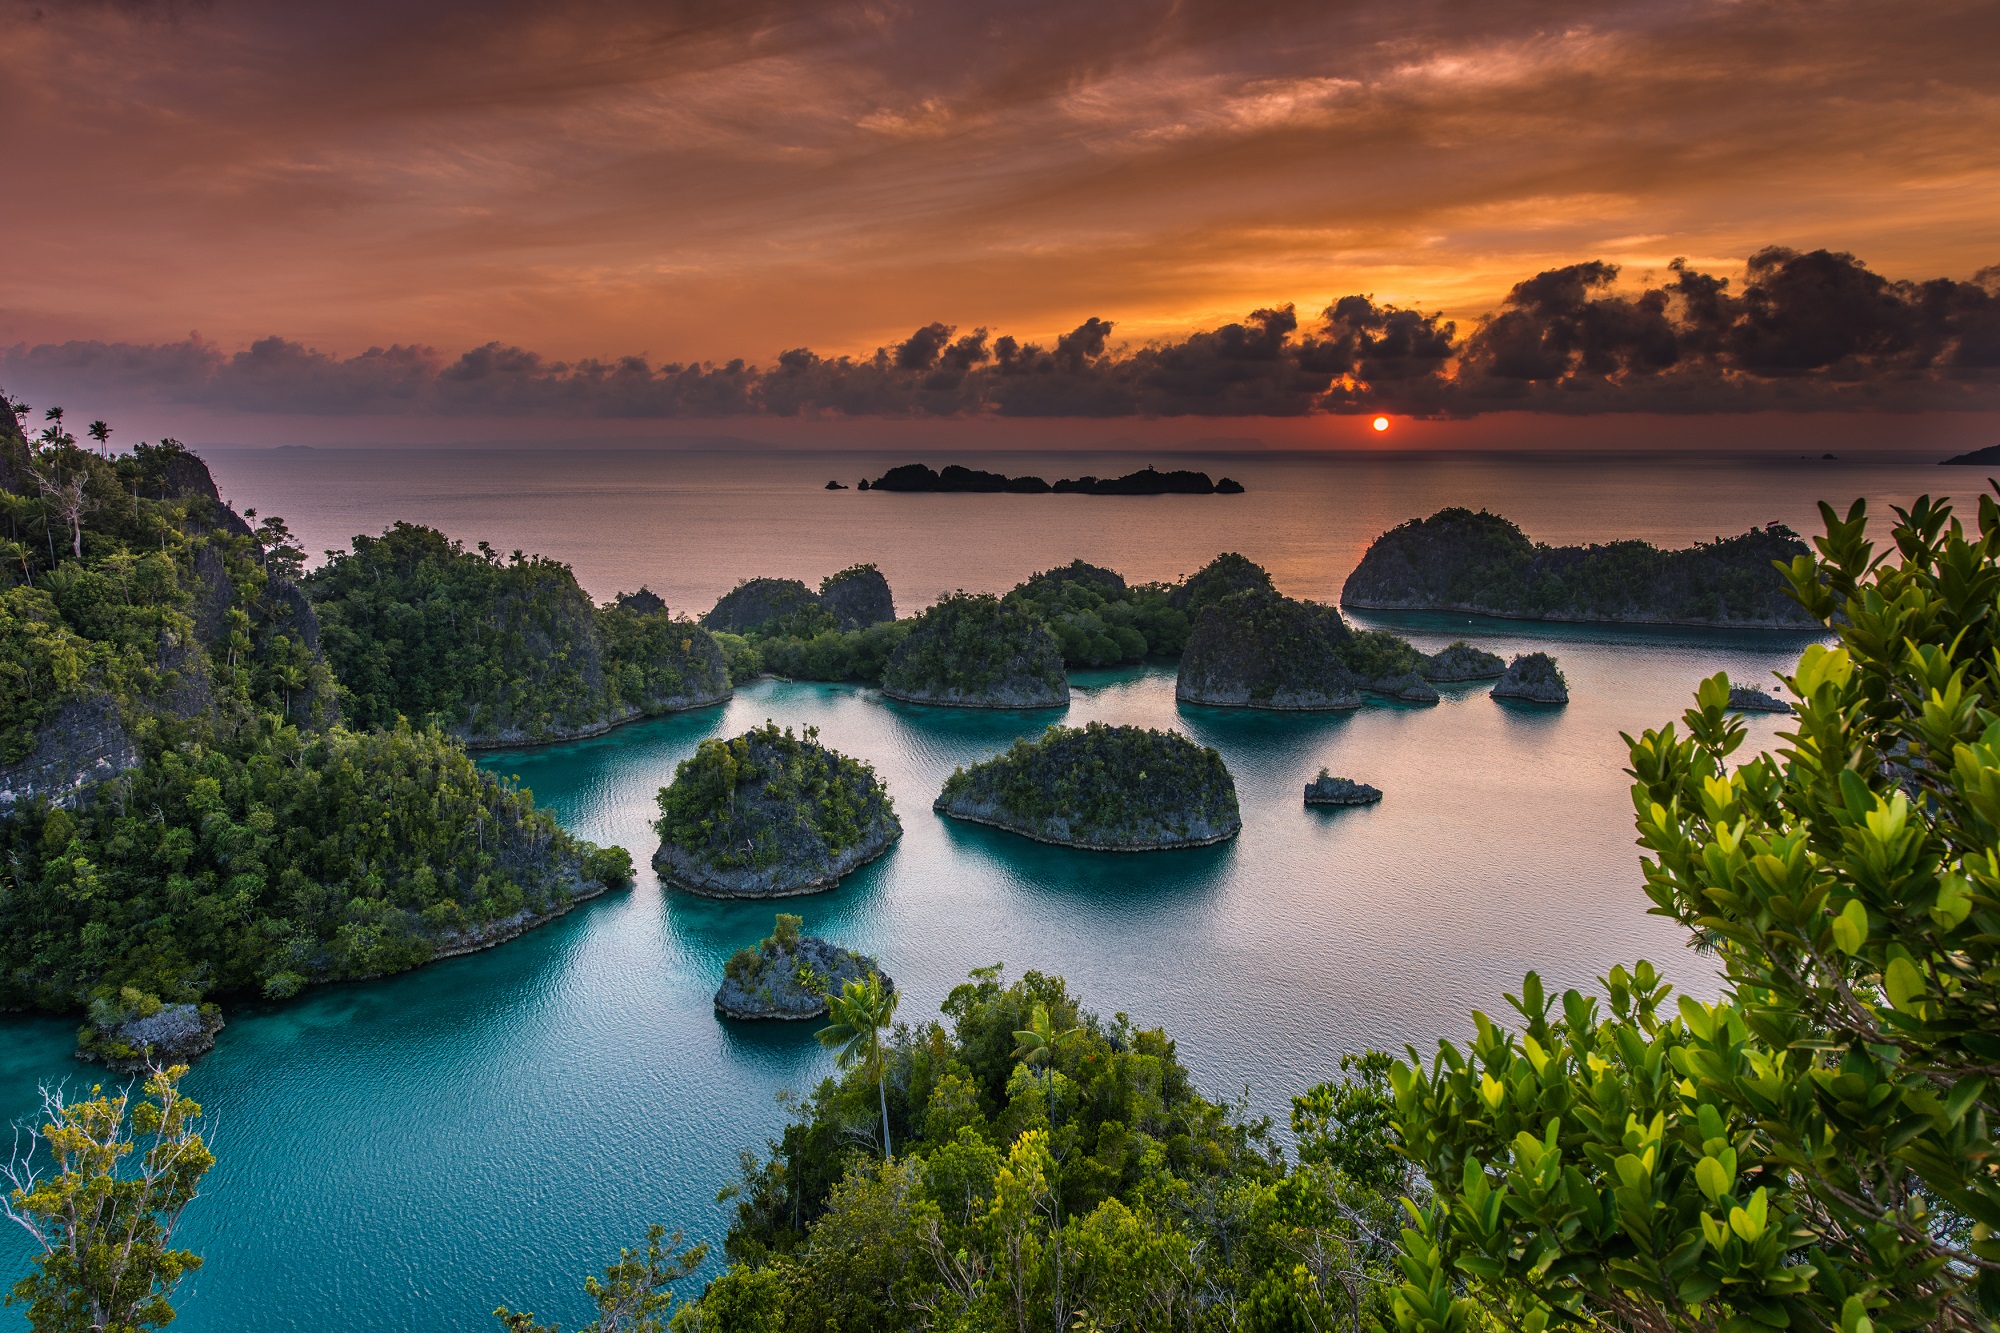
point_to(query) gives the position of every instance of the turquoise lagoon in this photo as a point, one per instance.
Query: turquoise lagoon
(408, 1153)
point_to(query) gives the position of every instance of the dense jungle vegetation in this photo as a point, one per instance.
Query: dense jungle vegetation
(240, 838)
(1101, 621)
(975, 645)
(770, 795)
(496, 649)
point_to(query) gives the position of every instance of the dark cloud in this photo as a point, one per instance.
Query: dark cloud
(1798, 330)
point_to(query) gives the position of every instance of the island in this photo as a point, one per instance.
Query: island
(1533, 678)
(1260, 649)
(954, 478)
(1101, 788)
(194, 810)
(1749, 699)
(770, 814)
(1329, 790)
(1462, 662)
(1458, 560)
(1987, 457)
(972, 650)
(499, 651)
(789, 975)
(852, 599)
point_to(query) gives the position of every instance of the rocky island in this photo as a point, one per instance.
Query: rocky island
(1533, 678)
(954, 478)
(1458, 560)
(971, 650)
(1329, 790)
(768, 815)
(1461, 662)
(1260, 649)
(500, 651)
(1749, 699)
(1111, 789)
(789, 975)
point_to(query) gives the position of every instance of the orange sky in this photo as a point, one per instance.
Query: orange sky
(708, 180)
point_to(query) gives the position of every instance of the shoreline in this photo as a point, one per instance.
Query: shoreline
(888, 693)
(821, 885)
(595, 729)
(938, 807)
(1771, 626)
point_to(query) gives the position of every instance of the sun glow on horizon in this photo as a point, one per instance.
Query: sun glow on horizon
(1381, 423)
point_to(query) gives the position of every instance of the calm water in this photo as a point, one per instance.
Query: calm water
(409, 1153)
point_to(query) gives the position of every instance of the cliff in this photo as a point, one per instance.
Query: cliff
(972, 650)
(768, 815)
(1257, 649)
(788, 975)
(1120, 789)
(1457, 560)
(857, 597)
(1533, 678)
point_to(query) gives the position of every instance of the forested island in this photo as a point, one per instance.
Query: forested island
(972, 650)
(1117, 789)
(788, 975)
(770, 814)
(1458, 560)
(184, 815)
(1533, 678)
(499, 651)
(918, 477)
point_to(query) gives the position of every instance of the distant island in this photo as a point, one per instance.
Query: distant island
(1458, 560)
(1326, 789)
(1987, 457)
(789, 975)
(955, 478)
(770, 814)
(972, 650)
(1115, 789)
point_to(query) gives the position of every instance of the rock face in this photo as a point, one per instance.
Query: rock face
(1329, 790)
(1257, 649)
(83, 744)
(769, 815)
(1458, 560)
(1747, 699)
(174, 1034)
(971, 650)
(1535, 678)
(1461, 661)
(788, 976)
(858, 597)
(1112, 789)
(755, 603)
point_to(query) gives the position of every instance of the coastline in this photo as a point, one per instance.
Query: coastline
(939, 807)
(525, 742)
(1774, 626)
(994, 708)
(825, 882)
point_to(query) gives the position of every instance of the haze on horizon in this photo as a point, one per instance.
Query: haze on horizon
(705, 181)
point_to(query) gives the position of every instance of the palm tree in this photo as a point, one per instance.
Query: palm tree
(861, 1013)
(1036, 1044)
(101, 432)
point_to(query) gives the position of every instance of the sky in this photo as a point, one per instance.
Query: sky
(580, 182)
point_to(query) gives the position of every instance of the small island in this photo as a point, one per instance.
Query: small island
(957, 479)
(1106, 789)
(971, 650)
(1458, 560)
(789, 975)
(769, 815)
(137, 1033)
(1258, 649)
(1329, 790)
(1462, 662)
(1750, 699)
(1533, 678)
(1987, 457)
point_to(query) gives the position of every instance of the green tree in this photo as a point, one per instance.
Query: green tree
(862, 1012)
(1816, 1149)
(103, 1208)
(635, 1294)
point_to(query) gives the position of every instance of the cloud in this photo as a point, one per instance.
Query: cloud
(1798, 330)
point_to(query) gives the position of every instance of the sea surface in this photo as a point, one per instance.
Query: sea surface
(409, 1153)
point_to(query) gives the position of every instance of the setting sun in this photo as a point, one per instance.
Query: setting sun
(1381, 423)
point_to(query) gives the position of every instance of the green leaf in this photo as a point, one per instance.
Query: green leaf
(1905, 986)
(1713, 1179)
(1850, 927)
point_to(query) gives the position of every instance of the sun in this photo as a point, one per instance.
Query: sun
(1381, 423)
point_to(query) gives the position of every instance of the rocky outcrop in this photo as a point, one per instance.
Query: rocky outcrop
(1748, 699)
(972, 650)
(1107, 789)
(1258, 649)
(788, 976)
(1221, 577)
(857, 597)
(172, 1034)
(1329, 790)
(757, 603)
(1461, 662)
(1533, 678)
(1409, 688)
(1458, 560)
(770, 815)
(645, 602)
(83, 744)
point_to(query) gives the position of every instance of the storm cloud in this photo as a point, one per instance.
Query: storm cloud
(1811, 330)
